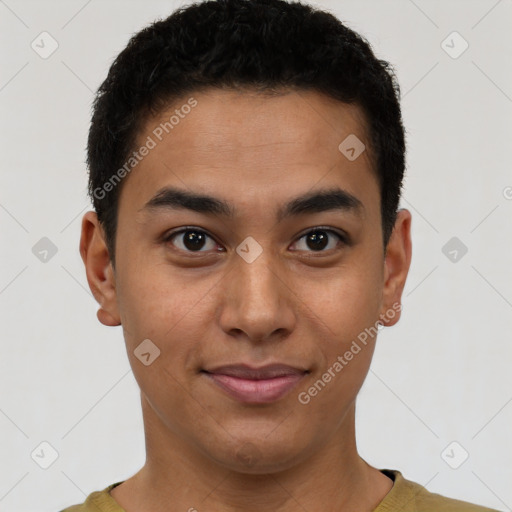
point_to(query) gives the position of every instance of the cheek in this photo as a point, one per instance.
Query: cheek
(345, 301)
(153, 297)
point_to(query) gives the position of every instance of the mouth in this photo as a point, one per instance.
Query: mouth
(256, 385)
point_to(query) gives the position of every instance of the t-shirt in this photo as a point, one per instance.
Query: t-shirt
(404, 496)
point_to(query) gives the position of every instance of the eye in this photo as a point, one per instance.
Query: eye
(191, 240)
(320, 238)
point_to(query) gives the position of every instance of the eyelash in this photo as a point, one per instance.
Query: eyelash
(343, 238)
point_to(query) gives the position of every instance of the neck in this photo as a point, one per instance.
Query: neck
(178, 477)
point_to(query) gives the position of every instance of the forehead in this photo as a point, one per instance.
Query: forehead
(253, 147)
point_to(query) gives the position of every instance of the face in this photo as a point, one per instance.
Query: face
(256, 295)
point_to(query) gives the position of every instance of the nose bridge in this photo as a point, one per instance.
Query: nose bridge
(256, 301)
(256, 272)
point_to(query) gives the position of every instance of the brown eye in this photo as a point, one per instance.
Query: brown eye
(191, 240)
(318, 239)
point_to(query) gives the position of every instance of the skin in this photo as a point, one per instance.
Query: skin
(292, 305)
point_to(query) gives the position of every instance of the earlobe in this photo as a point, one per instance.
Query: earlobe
(98, 267)
(396, 268)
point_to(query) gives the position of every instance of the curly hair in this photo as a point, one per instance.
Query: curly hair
(266, 45)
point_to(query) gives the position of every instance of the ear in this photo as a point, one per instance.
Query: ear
(99, 270)
(396, 267)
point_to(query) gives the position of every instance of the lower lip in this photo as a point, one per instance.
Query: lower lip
(256, 391)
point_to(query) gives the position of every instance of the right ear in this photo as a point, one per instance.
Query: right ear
(99, 270)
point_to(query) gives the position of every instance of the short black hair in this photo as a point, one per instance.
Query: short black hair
(266, 45)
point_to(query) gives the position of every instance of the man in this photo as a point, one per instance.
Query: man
(246, 160)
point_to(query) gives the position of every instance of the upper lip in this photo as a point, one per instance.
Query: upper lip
(244, 371)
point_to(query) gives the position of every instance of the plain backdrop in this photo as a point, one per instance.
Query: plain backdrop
(440, 386)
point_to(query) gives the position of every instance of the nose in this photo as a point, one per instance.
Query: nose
(258, 303)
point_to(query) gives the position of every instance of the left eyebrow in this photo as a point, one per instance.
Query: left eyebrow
(316, 201)
(322, 201)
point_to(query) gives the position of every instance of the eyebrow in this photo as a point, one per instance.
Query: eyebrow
(312, 202)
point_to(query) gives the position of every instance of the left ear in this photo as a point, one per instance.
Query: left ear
(396, 268)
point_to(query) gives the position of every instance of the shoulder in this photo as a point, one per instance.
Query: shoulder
(98, 501)
(413, 497)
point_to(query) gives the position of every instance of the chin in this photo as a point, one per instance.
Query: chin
(261, 457)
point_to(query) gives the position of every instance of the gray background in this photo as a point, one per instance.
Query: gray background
(441, 375)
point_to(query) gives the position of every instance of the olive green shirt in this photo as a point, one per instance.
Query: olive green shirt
(404, 496)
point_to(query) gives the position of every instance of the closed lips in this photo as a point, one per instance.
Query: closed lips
(243, 371)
